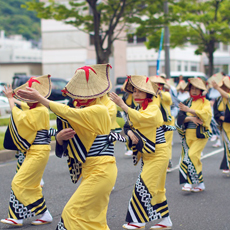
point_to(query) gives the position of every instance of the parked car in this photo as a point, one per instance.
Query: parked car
(4, 106)
(57, 85)
(119, 83)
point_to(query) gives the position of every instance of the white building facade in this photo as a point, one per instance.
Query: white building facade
(18, 56)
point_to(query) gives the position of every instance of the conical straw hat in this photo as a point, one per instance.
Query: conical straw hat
(182, 84)
(42, 84)
(89, 82)
(225, 81)
(142, 83)
(217, 77)
(157, 79)
(197, 82)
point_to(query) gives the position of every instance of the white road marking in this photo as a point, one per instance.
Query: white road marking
(203, 157)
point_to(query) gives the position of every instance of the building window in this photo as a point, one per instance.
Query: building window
(178, 65)
(130, 38)
(141, 39)
(133, 39)
(193, 67)
(225, 47)
(185, 66)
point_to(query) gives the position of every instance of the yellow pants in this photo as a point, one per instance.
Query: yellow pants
(26, 187)
(226, 141)
(190, 164)
(148, 201)
(169, 139)
(87, 208)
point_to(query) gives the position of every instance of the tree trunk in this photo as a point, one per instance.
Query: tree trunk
(102, 56)
(210, 63)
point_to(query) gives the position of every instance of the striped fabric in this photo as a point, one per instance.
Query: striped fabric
(52, 132)
(160, 135)
(42, 138)
(21, 143)
(101, 146)
(214, 127)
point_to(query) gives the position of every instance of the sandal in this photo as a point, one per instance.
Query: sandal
(133, 226)
(11, 221)
(197, 189)
(186, 189)
(160, 226)
(40, 222)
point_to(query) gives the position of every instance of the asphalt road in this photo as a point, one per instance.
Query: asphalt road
(209, 210)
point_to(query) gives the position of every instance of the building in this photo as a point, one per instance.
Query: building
(18, 56)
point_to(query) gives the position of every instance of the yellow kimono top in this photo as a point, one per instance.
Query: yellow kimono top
(203, 111)
(146, 121)
(24, 125)
(112, 108)
(157, 100)
(166, 102)
(87, 122)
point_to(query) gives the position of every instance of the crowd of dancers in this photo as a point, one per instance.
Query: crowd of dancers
(87, 132)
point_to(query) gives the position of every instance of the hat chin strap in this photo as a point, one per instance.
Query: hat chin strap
(83, 103)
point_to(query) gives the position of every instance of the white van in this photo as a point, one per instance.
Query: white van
(175, 75)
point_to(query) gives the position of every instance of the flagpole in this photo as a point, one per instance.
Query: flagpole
(159, 52)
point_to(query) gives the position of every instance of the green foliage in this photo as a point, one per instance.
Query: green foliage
(17, 20)
(201, 23)
(105, 19)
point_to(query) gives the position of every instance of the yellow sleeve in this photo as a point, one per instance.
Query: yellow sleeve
(166, 98)
(205, 114)
(150, 117)
(24, 106)
(30, 121)
(92, 118)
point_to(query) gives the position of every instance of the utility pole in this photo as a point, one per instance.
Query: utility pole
(167, 43)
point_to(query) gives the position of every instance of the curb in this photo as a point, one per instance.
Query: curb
(9, 155)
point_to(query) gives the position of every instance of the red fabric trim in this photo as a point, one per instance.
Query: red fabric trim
(43, 221)
(33, 105)
(133, 225)
(82, 104)
(87, 68)
(196, 97)
(145, 102)
(11, 221)
(31, 80)
(161, 225)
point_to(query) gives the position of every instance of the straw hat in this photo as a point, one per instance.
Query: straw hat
(225, 81)
(42, 84)
(197, 82)
(157, 79)
(163, 75)
(182, 84)
(142, 83)
(89, 82)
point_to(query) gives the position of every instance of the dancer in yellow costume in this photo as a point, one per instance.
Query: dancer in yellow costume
(28, 132)
(129, 101)
(165, 101)
(87, 142)
(112, 107)
(193, 124)
(146, 138)
(222, 115)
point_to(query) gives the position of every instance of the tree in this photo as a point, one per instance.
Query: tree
(106, 19)
(201, 23)
(15, 20)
